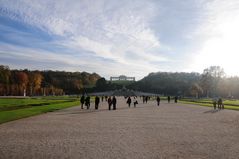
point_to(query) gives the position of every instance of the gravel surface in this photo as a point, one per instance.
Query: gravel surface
(147, 131)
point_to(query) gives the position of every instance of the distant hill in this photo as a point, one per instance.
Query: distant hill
(166, 82)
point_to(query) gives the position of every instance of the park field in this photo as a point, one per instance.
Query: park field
(228, 104)
(17, 108)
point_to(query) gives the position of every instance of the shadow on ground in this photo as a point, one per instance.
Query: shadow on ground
(86, 111)
(212, 111)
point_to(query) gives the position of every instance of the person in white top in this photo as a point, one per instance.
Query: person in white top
(135, 101)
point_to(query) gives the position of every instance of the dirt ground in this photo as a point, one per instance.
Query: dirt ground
(147, 131)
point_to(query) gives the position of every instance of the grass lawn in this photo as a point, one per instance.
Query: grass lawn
(12, 104)
(228, 104)
(12, 109)
(161, 98)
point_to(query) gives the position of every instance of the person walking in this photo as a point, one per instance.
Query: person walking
(109, 102)
(106, 98)
(146, 99)
(219, 103)
(97, 101)
(176, 99)
(214, 102)
(158, 100)
(114, 101)
(135, 101)
(168, 99)
(82, 101)
(129, 101)
(87, 102)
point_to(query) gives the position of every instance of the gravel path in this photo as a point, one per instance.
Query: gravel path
(148, 131)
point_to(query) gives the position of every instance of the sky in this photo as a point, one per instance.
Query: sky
(112, 37)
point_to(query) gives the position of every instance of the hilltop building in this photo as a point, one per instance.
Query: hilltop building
(122, 78)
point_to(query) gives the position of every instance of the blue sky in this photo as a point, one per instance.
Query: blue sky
(112, 37)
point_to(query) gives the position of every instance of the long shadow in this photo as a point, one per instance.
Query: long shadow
(86, 111)
(212, 111)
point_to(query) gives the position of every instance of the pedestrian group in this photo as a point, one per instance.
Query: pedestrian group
(112, 101)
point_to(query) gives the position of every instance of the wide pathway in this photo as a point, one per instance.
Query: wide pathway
(147, 131)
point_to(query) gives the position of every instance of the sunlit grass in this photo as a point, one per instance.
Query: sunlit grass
(228, 104)
(12, 109)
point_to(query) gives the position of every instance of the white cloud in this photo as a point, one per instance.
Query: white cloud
(109, 29)
(22, 57)
(90, 45)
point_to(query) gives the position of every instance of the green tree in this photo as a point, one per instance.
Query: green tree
(196, 90)
(210, 79)
(101, 84)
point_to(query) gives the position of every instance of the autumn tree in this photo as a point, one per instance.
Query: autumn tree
(35, 80)
(22, 79)
(4, 79)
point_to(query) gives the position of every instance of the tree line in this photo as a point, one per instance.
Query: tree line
(36, 83)
(211, 83)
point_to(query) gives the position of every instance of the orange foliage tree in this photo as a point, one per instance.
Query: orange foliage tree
(22, 79)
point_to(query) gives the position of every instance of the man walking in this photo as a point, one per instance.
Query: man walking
(158, 100)
(82, 101)
(109, 103)
(129, 101)
(168, 99)
(114, 101)
(97, 101)
(146, 99)
(219, 103)
(176, 99)
(87, 102)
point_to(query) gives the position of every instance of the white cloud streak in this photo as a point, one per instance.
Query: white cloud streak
(117, 37)
(118, 31)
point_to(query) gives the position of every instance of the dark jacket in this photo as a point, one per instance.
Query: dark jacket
(82, 99)
(129, 100)
(114, 101)
(97, 100)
